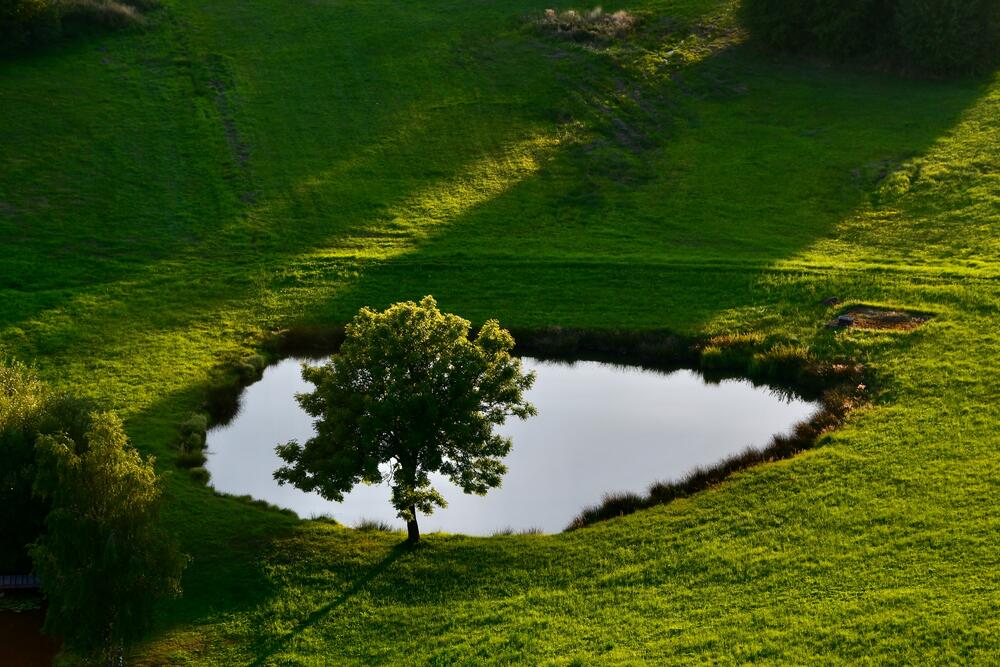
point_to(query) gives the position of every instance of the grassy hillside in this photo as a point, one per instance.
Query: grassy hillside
(169, 196)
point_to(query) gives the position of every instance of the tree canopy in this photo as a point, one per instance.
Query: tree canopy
(22, 397)
(103, 559)
(409, 394)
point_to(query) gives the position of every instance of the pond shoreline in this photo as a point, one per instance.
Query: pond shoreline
(840, 386)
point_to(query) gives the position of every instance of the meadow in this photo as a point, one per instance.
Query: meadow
(170, 196)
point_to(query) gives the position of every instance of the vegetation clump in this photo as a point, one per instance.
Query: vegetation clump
(409, 394)
(581, 26)
(103, 559)
(27, 24)
(944, 36)
(80, 507)
(22, 401)
(192, 443)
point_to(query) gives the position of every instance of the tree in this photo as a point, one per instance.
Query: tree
(409, 394)
(28, 408)
(22, 397)
(103, 559)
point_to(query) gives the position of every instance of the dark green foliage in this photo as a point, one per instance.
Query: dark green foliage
(374, 525)
(103, 559)
(196, 424)
(934, 35)
(28, 409)
(251, 369)
(26, 23)
(32, 23)
(192, 458)
(950, 35)
(409, 394)
(836, 27)
(193, 432)
(22, 397)
(200, 474)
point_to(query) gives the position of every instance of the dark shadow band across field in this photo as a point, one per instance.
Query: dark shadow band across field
(687, 153)
(267, 650)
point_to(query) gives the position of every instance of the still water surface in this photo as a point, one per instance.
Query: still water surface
(600, 428)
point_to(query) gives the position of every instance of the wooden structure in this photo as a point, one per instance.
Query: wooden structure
(19, 582)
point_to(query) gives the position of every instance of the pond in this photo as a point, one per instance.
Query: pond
(600, 428)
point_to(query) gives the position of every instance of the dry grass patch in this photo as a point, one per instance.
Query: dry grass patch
(881, 319)
(591, 25)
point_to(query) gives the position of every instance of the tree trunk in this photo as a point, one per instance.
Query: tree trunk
(412, 529)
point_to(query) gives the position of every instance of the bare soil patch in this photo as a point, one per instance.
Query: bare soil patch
(883, 319)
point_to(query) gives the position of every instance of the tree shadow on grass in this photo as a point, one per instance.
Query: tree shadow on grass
(649, 220)
(269, 649)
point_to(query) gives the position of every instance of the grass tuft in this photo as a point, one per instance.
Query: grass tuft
(591, 25)
(374, 525)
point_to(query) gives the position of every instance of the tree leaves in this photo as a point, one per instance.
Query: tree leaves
(409, 394)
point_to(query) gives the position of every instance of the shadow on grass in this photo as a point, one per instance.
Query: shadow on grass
(270, 649)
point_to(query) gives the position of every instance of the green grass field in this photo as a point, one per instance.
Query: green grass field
(169, 196)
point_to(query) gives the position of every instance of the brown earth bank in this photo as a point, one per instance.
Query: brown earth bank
(22, 643)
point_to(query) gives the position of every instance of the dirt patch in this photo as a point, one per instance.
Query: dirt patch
(587, 25)
(21, 640)
(883, 319)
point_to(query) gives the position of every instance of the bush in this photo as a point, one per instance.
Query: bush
(949, 35)
(196, 424)
(102, 14)
(25, 23)
(22, 400)
(847, 28)
(374, 526)
(194, 458)
(104, 560)
(936, 35)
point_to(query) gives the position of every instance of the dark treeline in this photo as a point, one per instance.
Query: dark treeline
(30, 24)
(939, 36)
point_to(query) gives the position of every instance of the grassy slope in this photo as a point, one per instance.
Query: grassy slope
(166, 197)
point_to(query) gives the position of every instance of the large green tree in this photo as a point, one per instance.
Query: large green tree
(28, 409)
(22, 399)
(409, 394)
(103, 559)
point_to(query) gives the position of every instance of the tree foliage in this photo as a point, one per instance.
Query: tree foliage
(409, 394)
(103, 560)
(28, 409)
(945, 36)
(22, 399)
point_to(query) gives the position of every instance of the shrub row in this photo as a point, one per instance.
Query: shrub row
(943, 36)
(26, 24)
